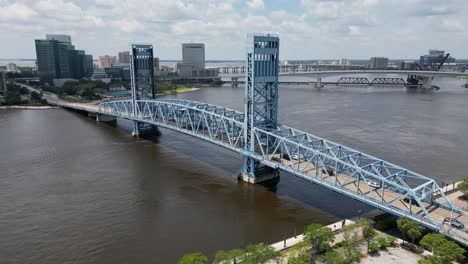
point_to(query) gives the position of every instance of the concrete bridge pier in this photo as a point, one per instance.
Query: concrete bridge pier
(262, 174)
(234, 81)
(319, 84)
(427, 82)
(105, 118)
(143, 129)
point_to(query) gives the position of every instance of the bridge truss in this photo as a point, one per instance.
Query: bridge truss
(261, 140)
(366, 178)
(353, 81)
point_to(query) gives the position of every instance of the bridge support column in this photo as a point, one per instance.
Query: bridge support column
(142, 129)
(319, 84)
(260, 175)
(234, 81)
(105, 118)
(427, 82)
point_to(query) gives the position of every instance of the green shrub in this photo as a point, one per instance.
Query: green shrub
(383, 242)
(302, 258)
(339, 244)
(374, 248)
(391, 241)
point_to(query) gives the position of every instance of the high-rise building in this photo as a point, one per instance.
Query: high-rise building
(378, 63)
(3, 83)
(193, 58)
(59, 38)
(106, 61)
(156, 64)
(434, 58)
(124, 57)
(58, 59)
(12, 67)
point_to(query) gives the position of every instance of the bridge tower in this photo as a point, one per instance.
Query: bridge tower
(261, 95)
(142, 81)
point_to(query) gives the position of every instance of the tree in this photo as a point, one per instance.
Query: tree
(431, 260)
(352, 252)
(222, 256)
(402, 224)
(463, 187)
(432, 241)
(12, 97)
(368, 232)
(259, 254)
(302, 258)
(193, 258)
(332, 257)
(320, 239)
(414, 231)
(449, 251)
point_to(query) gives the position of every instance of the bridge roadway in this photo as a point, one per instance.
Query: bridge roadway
(322, 74)
(426, 76)
(328, 164)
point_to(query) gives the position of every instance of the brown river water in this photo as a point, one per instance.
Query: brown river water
(74, 191)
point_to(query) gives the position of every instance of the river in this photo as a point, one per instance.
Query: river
(74, 191)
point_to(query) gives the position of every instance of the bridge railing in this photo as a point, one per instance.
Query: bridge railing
(219, 125)
(342, 169)
(350, 172)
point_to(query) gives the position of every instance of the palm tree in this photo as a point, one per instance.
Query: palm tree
(414, 231)
(402, 224)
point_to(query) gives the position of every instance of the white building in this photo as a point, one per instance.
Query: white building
(344, 62)
(12, 67)
(193, 58)
(378, 63)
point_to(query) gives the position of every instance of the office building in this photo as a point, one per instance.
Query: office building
(434, 58)
(156, 64)
(124, 57)
(106, 61)
(193, 58)
(119, 71)
(3, 83)
(59, 38)
(12, 67)
(58, 59)
(378, 63)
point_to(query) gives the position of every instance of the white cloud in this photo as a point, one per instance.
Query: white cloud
(17, 12)
(450, 25)
(327, 27)
(255, 4)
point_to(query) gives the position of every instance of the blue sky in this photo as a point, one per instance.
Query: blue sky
(309, 29)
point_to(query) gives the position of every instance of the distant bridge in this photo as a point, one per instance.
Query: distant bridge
(262, 141)
(426, 76)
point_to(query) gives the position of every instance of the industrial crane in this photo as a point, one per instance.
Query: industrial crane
(416, 80)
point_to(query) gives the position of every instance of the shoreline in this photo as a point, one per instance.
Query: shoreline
(183, 90)
(28, 107)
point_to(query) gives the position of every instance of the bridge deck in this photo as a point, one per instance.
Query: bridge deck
(277, 147)
(352, 184)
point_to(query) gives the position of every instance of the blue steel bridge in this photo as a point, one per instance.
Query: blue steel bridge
(262, 141)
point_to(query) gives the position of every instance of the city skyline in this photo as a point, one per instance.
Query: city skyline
(310, 29)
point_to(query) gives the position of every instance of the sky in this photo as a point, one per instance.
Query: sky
(308, 29)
